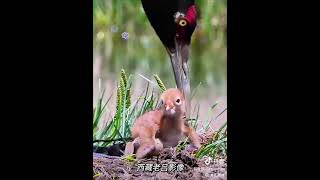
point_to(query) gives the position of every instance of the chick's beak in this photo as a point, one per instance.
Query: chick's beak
(169, 108)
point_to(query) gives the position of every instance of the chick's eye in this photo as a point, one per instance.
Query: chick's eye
(178, 101)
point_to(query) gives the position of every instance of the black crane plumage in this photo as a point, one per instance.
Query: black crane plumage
(174, 22)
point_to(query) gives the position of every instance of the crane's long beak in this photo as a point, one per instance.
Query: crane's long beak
(179, 61)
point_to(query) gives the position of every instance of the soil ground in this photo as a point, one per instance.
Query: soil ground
(116, 168)
(169, 164)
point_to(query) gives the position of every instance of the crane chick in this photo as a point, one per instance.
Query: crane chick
(162, 128)
(173, 125)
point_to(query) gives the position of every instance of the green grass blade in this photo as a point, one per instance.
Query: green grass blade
(160, 83)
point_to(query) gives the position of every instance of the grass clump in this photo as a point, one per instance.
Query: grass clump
(216, 146)
(118, 126)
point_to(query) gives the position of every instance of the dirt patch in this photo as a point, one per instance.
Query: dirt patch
(168, 165)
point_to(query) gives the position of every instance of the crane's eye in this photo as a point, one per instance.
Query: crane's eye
(178, 101)
(182, 22)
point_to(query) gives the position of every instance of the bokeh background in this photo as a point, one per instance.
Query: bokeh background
(142, 53)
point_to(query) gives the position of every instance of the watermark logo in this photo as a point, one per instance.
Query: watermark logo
(170, 167)
(208, 161)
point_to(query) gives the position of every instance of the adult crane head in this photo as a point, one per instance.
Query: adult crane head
(174, 21)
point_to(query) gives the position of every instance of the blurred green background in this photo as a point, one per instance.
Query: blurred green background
(143, 52)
